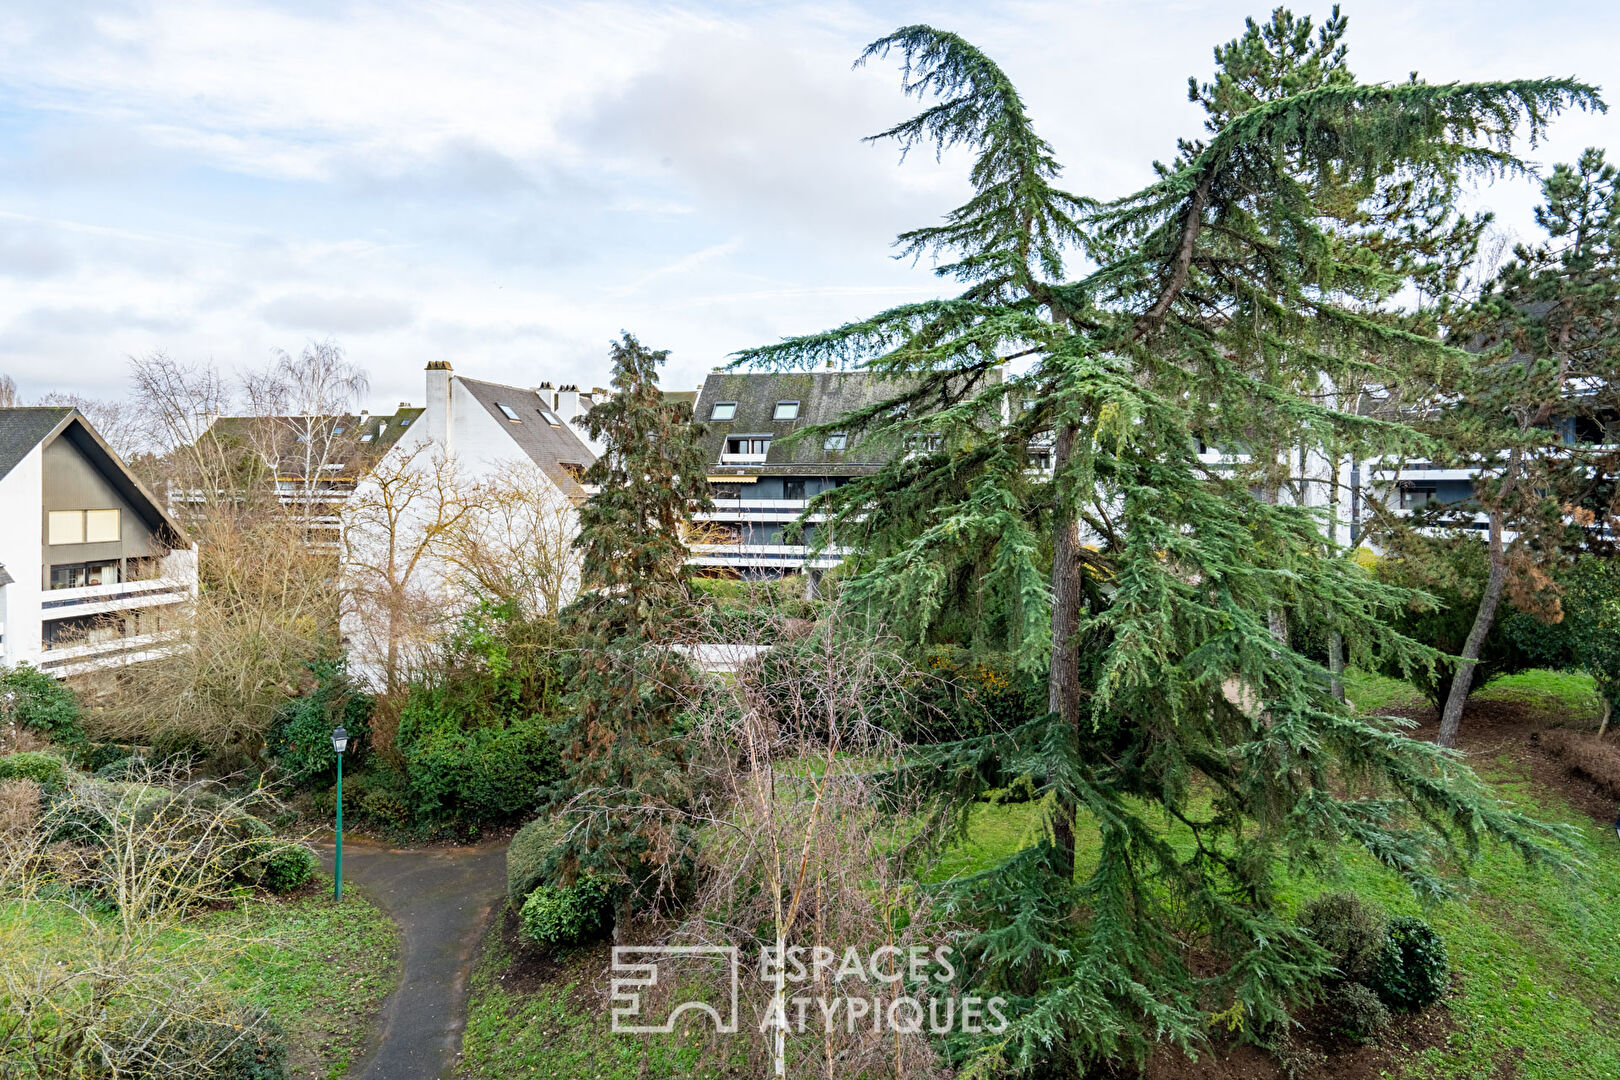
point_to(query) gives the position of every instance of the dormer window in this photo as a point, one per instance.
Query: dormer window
(724, 410)
(509, 412)
(746, 449)
(786, 410)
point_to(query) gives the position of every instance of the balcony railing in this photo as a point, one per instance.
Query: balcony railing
(122, 596)
(108, 652)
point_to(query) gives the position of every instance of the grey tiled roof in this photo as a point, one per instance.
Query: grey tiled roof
(23, 429)
(549, 445)
(823, 397)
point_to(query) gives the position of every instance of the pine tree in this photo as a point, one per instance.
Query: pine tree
(1147, 579)
(625, 767)
(1530, 410)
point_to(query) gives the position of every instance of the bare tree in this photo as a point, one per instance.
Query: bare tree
(803, 853)
(305, 430)
(113, 420)
(9, 398)
(397, 528)
(518, 545)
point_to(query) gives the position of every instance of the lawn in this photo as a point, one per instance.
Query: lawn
(1537, 955)
(320, 970)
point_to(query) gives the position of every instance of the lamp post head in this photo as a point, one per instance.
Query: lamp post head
(340, 739)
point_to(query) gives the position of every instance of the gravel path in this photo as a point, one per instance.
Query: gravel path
(442, 899)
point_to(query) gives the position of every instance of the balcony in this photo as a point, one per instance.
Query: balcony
(765, 556)
(108, 652)
(743, 459)
(105, 599)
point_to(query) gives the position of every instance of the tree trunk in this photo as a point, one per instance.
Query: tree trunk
(1336, 664)
(1603, 725)
(1064, 680)
(1462, 682)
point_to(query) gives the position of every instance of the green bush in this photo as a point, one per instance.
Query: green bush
(108, 761)
(301, 737)
(526, 856)
(45, 769)
(561, 915)
(385, 806)
(287, 867)
(43, 704)
(1356, 1012)
(1413, 970)
(1351, 931)
(476, 740)
(253, 1050)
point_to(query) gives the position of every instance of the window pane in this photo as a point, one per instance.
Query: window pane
(66, 527)
(723, 410)
(787, 410)
(508, 412)
(793, 489)
(101, 526)
(835, 442)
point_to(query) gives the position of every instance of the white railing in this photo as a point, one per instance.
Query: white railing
(102, 599)
(765, 555)
(74, 659)
(743, 459)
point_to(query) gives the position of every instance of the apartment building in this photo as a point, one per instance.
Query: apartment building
(92, 566)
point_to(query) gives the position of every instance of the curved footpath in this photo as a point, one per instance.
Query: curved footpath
(442, 899)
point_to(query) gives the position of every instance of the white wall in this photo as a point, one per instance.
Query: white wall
(22, 551)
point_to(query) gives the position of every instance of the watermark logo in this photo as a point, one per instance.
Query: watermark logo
(636, 970)
(811, 988)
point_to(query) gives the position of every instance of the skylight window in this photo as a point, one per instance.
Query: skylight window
(549, 418)
(367, 437)
(838, 441)
(509, 412)
(786, 410)
(724, 410)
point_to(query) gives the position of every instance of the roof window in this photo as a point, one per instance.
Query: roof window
(723, 410)
(836, 441)
(786, 410)
(509, 412)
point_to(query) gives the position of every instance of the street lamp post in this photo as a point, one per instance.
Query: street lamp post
(340, 743)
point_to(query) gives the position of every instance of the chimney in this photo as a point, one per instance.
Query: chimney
(568, 402)
(437, 414)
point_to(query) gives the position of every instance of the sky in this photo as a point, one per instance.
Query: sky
(508, 184)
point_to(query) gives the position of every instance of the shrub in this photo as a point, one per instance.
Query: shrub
(385, 806)
(47, 770)
(21, 801)
(107, 760)
(476, 742)
(253, 1048)
(561, 915)
(287, 867)
(1350, 930)
(1413, 970)
(43, 704)
(124, 768)
(1356, 1012)
(526, 856)
(301, 738)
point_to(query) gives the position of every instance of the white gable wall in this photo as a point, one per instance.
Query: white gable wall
(22, 551)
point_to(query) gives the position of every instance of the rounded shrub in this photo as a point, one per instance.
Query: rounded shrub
(560, 915)
(1413, 970)
(1356, 1012)
(526, 856)
(253, 1049)
(288, 867)
(40, 702)
(1351, 930)
(45, 769)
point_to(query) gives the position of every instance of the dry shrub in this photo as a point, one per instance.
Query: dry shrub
(16, 739)
(20, 800)
(1587, 757)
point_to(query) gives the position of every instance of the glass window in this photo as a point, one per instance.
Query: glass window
(65, 527)
(793, 489)
(101, 526)
(367, 437)
(405, 422)
(1414, 497)
(748, 446)
(548, 418)
(839, 441)
(723, 410)
(786, 410)
(508, 412)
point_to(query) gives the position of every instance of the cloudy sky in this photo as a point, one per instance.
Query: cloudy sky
(506, 184)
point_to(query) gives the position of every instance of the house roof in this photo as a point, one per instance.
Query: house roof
(370, 433)
(23, 429)
(538, 431)
(823, 397)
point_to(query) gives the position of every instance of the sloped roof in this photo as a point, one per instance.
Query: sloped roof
(383, 429)
(23, 429)
(823, 397)
(538, 431)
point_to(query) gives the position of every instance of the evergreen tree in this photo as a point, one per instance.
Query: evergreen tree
(1146, 577)
(623, 758)
(1532, 408)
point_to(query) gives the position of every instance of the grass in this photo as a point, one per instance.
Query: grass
(556, 1032)
(319, 969)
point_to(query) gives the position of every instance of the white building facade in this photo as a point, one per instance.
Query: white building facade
(94, 567)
